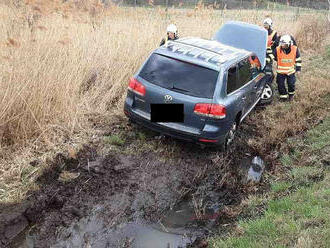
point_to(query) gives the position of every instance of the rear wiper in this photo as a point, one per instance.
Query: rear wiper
(178, 89)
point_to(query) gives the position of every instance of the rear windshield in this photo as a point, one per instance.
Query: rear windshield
(180, 76)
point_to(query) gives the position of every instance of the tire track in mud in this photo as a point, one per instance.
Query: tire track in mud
(129, 188)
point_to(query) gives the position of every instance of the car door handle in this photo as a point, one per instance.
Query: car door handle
(256, 86)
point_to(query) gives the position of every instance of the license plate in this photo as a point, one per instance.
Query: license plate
(173, 112)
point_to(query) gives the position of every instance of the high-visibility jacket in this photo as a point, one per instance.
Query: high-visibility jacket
(270, 39)
(286, 63)
(254, 62)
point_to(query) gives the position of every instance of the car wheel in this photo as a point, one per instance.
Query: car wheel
(230, 136)
(267, 94)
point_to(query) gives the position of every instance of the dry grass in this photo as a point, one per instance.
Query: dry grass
(63, 62)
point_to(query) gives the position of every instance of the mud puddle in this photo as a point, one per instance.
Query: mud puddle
(139, 234)
(131, 201)
(178, 228)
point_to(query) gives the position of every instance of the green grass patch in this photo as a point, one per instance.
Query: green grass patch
(303, 176)
(300, 218)
(319, 138)
(305, 212)
(286, 160)
(280, 186)
(114, 140)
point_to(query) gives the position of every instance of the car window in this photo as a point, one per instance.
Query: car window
(232, 80)
(255, 66)
(186, 78)
(244, 72)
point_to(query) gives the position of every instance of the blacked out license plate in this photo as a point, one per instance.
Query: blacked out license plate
(173, 112)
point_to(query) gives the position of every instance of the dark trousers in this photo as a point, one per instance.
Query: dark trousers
(290, 79)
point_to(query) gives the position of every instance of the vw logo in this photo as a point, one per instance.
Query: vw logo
(168, 98)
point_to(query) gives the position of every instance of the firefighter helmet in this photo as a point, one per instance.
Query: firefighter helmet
(268, 22)
(172, 28)
(285, 40)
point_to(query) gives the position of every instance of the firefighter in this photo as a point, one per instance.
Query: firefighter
(172, 34)
(271, 45)
(288, 60)
(255, 65)
(271, 42)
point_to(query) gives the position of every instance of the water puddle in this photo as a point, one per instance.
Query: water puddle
(179, 227)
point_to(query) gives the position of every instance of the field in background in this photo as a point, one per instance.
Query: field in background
(64, 67)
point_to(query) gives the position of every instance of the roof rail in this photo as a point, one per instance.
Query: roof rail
(197, 43)
(195, 46)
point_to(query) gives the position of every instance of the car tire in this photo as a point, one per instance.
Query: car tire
(267, 94)
(230, 136)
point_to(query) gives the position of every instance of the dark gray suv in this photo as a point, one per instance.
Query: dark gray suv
(200, 90)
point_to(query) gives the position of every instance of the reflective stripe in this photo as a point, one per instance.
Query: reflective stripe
(298, 59)
(298, 64)
(285, 67)
(284, 96)
(286, 72)
(291, 93)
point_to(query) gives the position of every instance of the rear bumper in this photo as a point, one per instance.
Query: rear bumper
(178, 134)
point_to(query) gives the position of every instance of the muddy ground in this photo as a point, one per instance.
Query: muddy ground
(100, 193)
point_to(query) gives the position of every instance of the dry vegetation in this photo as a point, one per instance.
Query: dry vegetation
(63, 63)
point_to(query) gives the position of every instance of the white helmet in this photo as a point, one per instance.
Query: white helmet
(285, 40)
(268, 21)
(172, 28)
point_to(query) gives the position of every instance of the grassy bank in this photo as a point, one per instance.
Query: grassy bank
(296, 211)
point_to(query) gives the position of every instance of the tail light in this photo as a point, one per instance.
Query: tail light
(210, 110)
(136, 87)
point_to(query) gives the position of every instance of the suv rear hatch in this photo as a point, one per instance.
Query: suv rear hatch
(245, 36)
(184, 82)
